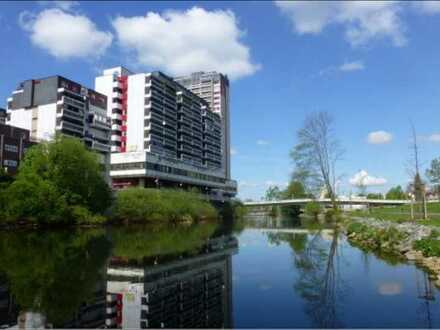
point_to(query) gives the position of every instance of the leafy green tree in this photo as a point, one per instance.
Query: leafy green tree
(374, 196)
(433, 174)
(312, 209)
(273, 193)
(295, 189)
(396, 193)
(57, 180)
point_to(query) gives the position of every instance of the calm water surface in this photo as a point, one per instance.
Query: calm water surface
(266, 274)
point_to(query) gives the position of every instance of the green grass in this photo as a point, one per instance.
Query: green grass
(402, 213)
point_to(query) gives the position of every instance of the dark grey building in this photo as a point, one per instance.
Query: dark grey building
(14, 142)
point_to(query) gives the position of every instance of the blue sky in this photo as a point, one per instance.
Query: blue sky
(373, 66)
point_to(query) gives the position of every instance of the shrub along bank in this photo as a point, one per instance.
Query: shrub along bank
(410, 241)
(164, 205)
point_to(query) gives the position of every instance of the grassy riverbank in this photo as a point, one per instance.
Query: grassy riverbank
(401, 214)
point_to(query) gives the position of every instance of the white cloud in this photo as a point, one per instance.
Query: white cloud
(427, 7)
(352, 66)
(379, 137)
(234, 151)
(262, 142)
(363, 21)
(64, 5)
(181, 42)
(346, 67)
(65, 35)
(434, 137)
(362, 178)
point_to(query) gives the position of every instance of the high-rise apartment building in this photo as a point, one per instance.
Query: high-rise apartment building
(57, 105)
(162, 134)
(213, 87)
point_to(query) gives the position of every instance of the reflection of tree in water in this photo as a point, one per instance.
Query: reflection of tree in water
(425, 293)
(53, 273)
(156, 244)
(319, 283)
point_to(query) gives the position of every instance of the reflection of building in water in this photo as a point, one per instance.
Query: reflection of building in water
(186, 292)
(91, 314)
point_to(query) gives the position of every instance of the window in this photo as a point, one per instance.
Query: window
(11, 163)
(11, 148)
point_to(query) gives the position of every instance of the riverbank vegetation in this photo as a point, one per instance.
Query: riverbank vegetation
(62, 183)
(161, 205)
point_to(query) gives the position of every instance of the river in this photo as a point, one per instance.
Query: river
(262, 274)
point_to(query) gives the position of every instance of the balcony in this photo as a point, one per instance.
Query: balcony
(116, 127)
(115, 149)
(116, 84)
(116, 138)
(100, 146)
(116, 116)
(116, 105)
(71, 127)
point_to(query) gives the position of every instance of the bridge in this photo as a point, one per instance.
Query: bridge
(326, 201)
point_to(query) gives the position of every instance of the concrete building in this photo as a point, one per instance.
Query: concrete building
(14, 143)
(213, 87)
(57, 105)
(194, 291)
(162, 134)
(2, 116)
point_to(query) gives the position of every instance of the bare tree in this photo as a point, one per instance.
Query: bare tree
(418, 187)
(317, 153)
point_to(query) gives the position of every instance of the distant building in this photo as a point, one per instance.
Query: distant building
(213, 87)
(57, 105)
(14, 142)
(2, 116)
(163, 135)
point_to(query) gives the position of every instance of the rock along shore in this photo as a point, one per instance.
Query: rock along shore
(396, 238)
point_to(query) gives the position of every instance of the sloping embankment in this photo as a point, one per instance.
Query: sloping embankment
(414, 242)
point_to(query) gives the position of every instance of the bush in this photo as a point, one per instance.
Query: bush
(430, 247)
(154, 205)
(57, 182)
(331, 215)
(312, 209)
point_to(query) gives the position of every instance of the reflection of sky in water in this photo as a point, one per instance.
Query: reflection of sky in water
(373, 292)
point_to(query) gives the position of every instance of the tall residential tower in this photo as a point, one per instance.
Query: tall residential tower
(163, 135)
(213, 87)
